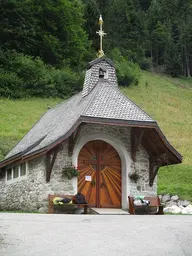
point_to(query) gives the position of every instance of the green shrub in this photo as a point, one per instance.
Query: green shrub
(25, 76)
(66, 82)
(127, 71)
(145, 63)
(11, 85)
(37, 76)
(70, 172)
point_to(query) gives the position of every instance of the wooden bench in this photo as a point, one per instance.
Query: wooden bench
(52, 207)
(154, 202)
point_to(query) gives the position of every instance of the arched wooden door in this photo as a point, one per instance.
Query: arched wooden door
(100, 174)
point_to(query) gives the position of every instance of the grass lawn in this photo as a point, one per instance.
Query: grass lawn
(167, 100)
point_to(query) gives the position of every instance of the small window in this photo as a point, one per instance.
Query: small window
(103, 72)
(9, 174)
(15, 172)
(23, 169)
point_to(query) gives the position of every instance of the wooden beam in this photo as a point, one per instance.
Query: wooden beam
(2, 172)
(151, 145)
(50, 164)
(154, 167)
(71, 144)
(155, 164)
(73, 139)
(136, 138)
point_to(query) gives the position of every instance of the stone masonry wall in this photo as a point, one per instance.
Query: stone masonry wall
(141, 166)
(32, 194)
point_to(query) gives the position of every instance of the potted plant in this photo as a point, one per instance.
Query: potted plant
(134, 176)
(70, 172)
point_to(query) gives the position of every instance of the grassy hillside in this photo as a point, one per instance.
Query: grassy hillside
(167, 100)
(17, 117)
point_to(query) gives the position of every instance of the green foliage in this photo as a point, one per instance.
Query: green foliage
(145, 30)
(11, 85)
(70, 172)
(52, 30)
(145, 64)
(65, 82)
(134, 176)
(91, 15)
(127, 71)
(170, 35)
(41, 43)
(24, 76)
(157, 35)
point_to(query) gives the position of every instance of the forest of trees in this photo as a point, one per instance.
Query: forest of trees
(45, 44)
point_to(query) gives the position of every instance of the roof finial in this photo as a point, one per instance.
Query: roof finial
(101, 34)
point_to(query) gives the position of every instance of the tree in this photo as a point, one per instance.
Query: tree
(92, 16)
(51, 29)
(126, 28)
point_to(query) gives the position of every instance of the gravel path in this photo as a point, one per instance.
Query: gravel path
(81, 235)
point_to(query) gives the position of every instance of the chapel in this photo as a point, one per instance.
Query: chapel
(117, 147)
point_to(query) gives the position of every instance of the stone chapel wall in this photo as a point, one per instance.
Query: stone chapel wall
(32, 194)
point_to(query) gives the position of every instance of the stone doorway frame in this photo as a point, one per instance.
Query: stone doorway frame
(123, 154)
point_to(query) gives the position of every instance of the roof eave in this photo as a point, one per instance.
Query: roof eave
(168, 145)
(131, 123)
(23, 156)
(134, 123)
(119, 122)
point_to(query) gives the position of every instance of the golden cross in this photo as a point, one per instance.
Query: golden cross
(101, 34)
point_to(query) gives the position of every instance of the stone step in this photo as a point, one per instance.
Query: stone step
(108, 211)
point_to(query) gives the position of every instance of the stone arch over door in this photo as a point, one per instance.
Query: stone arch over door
(123, 154)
